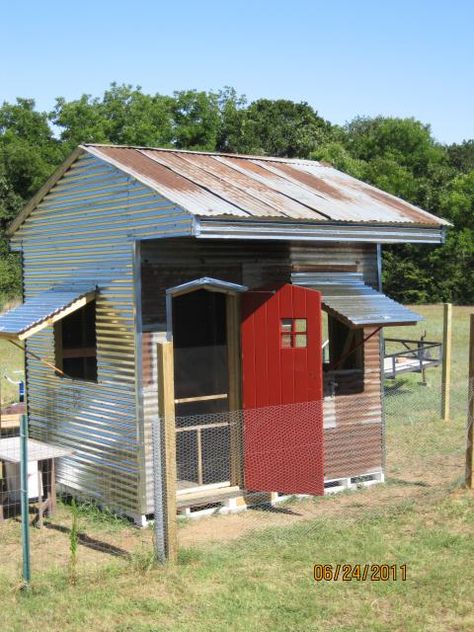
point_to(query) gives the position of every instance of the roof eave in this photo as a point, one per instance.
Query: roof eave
(230, 228)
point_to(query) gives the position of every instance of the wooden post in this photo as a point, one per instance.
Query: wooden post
(235, 389)
(446, 372)
(470, 414)
(168, 446)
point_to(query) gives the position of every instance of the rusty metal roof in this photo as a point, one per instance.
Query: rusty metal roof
(225, 185)
(346, 297)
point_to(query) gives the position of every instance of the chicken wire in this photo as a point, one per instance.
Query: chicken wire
(412, 448)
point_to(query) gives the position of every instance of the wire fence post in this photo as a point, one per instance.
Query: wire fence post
(159, 542)
(164, 458)
(25, 517)
(470, 413)
(446, 368)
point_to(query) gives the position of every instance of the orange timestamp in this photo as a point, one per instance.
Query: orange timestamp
(359, 572)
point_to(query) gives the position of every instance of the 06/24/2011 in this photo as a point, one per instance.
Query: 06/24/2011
(360, 572)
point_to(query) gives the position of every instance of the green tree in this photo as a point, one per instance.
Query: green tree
(28, 155)
(196, 119)
(280, 128)
(336, 154)
(461, 156)
(123, 115)
(232, 117)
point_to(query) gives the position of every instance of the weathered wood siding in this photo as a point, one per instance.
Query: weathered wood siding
(353, 435)
(354, 446)
(170, 262)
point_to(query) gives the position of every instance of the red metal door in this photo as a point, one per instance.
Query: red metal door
(282, 390)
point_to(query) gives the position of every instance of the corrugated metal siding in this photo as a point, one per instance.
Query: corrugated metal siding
(335, 256)
(84, 229)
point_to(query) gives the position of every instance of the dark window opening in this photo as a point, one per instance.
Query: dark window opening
(76, 344)
(343, 358)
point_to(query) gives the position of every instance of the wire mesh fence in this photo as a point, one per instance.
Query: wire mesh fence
(245, 470)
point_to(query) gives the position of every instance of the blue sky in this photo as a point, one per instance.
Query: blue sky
(344, 57)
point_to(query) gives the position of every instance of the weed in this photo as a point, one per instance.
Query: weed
(73, 543)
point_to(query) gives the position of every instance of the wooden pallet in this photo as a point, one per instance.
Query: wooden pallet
(232, 499)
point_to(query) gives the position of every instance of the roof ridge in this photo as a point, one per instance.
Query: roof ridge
(206, 153)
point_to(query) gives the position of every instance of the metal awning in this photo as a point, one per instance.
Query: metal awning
(44, 310)
(345, 296)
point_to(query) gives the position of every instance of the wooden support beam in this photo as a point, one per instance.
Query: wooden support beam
(470, 415)
(235, 388)
(48, 322)
(201, 398)
(168, 446)
(446, 368)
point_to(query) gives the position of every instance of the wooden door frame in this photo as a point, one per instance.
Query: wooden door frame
(234, 365)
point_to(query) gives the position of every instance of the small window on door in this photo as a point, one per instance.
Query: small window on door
(293, 332)
(76, 344)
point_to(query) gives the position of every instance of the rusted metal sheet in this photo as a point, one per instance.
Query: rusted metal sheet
(210, 185)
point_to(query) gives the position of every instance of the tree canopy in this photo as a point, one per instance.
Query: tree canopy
(397, 155)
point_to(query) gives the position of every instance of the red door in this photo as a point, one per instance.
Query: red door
(282, 390)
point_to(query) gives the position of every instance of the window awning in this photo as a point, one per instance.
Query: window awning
(44, 310)
(345, 296)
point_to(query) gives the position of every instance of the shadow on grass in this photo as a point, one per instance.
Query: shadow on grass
(399, 386)
(274, 509)
(92, 543)
(404, 483)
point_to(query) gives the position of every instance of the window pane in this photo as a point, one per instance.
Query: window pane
(286, 341)
(300, 325)
(300, 340)
(286, 325)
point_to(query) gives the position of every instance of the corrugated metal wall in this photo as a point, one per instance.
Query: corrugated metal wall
(85, 229)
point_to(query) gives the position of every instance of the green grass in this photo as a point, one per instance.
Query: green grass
(264, 581)
(11, 361)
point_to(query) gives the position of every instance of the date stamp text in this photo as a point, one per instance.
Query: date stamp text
(359, 572)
